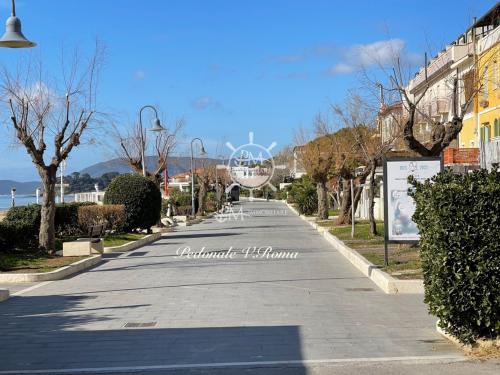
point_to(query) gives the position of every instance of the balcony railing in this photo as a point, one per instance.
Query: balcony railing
(490, 153)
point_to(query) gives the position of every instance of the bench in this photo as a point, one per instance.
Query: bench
(92, 244)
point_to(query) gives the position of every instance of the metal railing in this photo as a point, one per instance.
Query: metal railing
(489, 153)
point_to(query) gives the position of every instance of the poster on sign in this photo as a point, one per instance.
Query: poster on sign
(398, 205)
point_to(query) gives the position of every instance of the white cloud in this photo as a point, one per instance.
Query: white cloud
(341, 68)
(365, 55)
(204, 102)
(139, 75)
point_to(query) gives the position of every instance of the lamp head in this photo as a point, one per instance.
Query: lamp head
(203, 153)
(13, 37)
(157, 126)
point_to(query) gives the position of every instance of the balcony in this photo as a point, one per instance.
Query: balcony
(439, 107)
(490, 153)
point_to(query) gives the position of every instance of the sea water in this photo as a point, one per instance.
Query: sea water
(23, 200)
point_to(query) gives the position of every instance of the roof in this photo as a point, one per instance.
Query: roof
(491, 17)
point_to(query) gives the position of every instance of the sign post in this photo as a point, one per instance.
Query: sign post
(398, 206)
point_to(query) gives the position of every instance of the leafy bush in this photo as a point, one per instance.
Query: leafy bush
(303, 193)
(211, 204)
(459, 220)
(66, 219)
(22, 224)
(184, 210)
(180, 198)
(17, 235)
(141, 197)
(111, 215)
(258, 193)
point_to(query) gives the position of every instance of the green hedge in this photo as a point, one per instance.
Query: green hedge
(458, 217)
(17, 235)
(180, 198)
(141, 197)
(21, 225)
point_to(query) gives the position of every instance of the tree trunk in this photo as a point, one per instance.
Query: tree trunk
(202, 198)
(47, 236)
(322, 200)
(357, 197)
(371, 200)
(345, 207)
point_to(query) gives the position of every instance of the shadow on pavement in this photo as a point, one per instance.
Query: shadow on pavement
(59, 332)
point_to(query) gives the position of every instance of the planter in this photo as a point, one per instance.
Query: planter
(57, 274)
(4, 294)
(133, 244)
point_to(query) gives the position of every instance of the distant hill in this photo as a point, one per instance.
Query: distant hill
(176, 164)
(21, 187)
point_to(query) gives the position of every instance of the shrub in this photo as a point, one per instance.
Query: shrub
(180, 198)
(303, 193)
(111, 215)
(258, 193)
(458, 217)
(211, 203)
(17, 235)
(66, 219)
(21, 226)
(141, 197)
(184, 210)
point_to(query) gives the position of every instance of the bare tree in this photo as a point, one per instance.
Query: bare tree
(130, 144)
(359, 115)
(61, 108)
(443, 133)
(318, 157)
(205, 177)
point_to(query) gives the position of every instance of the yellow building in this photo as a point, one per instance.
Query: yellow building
(481, 126)
(488, 98)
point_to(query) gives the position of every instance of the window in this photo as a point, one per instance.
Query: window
(485, 133)
(496, 128)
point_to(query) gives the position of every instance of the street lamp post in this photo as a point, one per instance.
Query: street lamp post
(13, 195)
(217, 188)
(13, 37)
(202, 153)
(166, 169)
(156, 128)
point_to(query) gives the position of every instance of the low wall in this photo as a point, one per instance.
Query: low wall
(133, 244)
(57, 274)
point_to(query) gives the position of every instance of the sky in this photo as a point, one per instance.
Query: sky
(227, 67)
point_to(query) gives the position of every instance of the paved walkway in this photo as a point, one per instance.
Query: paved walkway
(151, 309)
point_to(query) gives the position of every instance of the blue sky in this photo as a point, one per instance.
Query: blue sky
(228, 67)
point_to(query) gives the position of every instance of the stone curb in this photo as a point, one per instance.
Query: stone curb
(451, 338)
(133, 244)
(57, 274)
(383, 280)
(4, 294)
